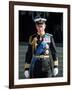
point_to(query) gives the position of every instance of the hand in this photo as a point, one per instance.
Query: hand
(55, 71)
(26, 73)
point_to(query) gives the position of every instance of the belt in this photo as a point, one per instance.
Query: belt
(41, 56)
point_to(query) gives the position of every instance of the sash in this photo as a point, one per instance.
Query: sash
(40, 49)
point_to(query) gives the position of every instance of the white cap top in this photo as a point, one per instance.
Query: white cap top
(40, 19)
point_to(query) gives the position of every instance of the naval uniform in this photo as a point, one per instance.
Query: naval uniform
(41, 56)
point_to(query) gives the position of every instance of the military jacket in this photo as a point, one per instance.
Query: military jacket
(41, 45)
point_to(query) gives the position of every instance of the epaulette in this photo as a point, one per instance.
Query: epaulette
(49, 34)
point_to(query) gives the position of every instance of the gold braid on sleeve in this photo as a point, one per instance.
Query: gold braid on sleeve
(26, 65)
(56, 62)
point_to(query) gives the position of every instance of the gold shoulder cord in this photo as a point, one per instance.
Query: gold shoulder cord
(33, 43)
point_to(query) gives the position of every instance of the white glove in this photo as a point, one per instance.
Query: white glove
(55, 71)
(26, 73)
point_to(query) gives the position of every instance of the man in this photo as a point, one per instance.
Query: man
(41, 58)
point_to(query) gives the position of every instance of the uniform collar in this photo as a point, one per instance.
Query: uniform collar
(41, 35)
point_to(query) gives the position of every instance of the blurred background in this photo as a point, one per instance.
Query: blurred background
(54, 26)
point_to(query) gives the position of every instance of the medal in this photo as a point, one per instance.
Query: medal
(47, 46)
(46, 51)
(46, 39)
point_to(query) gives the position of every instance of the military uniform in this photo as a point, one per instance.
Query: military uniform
(41, 56)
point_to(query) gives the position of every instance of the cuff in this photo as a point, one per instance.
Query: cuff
(56, 63)
(26, 66)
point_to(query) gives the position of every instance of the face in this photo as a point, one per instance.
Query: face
(40, 28)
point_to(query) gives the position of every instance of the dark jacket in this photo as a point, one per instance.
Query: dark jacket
(41, 45)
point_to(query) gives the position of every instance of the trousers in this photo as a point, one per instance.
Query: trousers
(40, 68)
